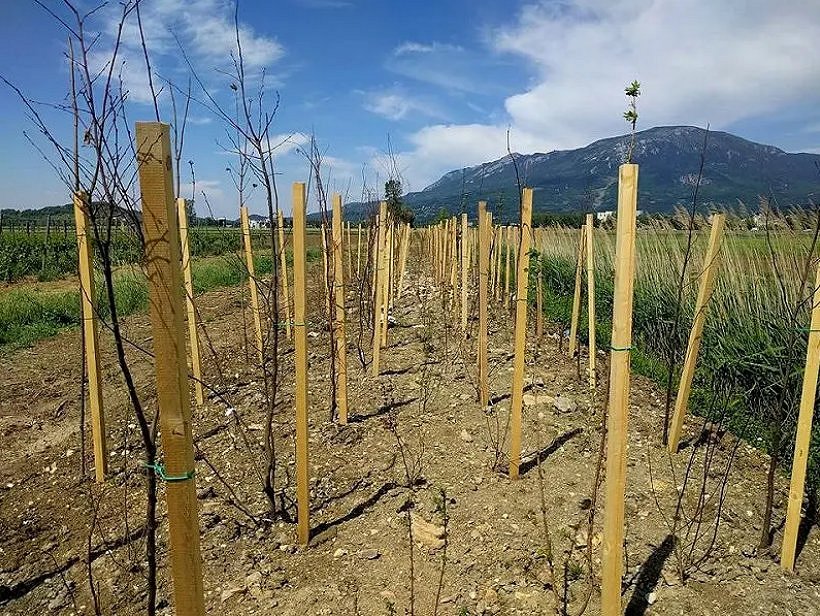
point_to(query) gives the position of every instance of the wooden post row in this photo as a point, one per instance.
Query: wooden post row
(539, 299)
(388, 277)
(404, 243)
(499, 247)
(592, 345)
(707, 284)
(378, 284)
(300, 352)
(326, 275)
(803, 437)
(254, 289)
(159, 220)
(613, 537)
(359, 253)
(349, 253)
(193, 330)
(465, 269)
(483, 258)
(339, 339)
(522, 280)
(90, 335)
(508, 244)
(576, 300)
(283, 266)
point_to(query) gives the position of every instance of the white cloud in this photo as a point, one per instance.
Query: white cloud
(206, 31)
(698, 61)
(213, 191)
(450, 67)
(410, 47)
(443, 147)
(396, 104)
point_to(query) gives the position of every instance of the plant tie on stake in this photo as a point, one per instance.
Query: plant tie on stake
(628, 348)
(159, 471)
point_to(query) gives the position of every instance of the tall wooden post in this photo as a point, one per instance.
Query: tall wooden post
(391, 266)
(499, 245)
(483, 263)
(522, 280)
(359, 253)
(539, 300)
(576, 300)
(283, 273)
(387, 280)
(193, 329)
(465, 271)
(711, 265)
(339, 339)
(300, 344)
(507, 267)
(92, 356)
(349, 253)
(159, 221)
(379, 274)
(803, 438)
(593, 346)
(326, 274)
(252, 285)
(404, 247)
(613, 538)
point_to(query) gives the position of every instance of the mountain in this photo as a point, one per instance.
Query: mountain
(736, 170)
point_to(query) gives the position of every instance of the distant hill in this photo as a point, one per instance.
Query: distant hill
(586, 178)
(736, 170)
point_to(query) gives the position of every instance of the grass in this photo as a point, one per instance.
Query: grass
(28, 314)
(746, 337)
(55, 256)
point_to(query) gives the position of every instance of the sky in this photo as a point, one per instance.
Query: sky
(429, 85)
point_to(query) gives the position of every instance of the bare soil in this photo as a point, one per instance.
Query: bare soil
(424, 405)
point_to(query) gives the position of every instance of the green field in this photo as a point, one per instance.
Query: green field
(753, 350)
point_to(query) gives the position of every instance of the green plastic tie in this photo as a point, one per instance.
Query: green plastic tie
(612, 348)
(159, 471)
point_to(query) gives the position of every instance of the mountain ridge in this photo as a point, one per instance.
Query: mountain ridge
(736, 170)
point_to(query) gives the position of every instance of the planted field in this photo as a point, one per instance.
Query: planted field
(387, 484)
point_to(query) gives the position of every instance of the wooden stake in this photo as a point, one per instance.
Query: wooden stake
(593, 347)
(404, 247)
(349, 253)
(300, 344)
(465, 270)
(92, 356)
(539, 301)
(711, 265)
(391, 269)
(339, 301)
(613, 538)
(193, 330)
(283, 266)
(326, 277)
(499, 244)
(522, 280)
(254, 289)
(453, 263)
(388, 277)
(483, 257)
(359, 253)
(803, 438)
(576, 301)
(165, 292)
(507, 267)
(378, 285)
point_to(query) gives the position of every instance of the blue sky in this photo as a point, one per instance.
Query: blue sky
(438, 83)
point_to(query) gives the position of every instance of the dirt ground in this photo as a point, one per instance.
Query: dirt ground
(422, 409)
